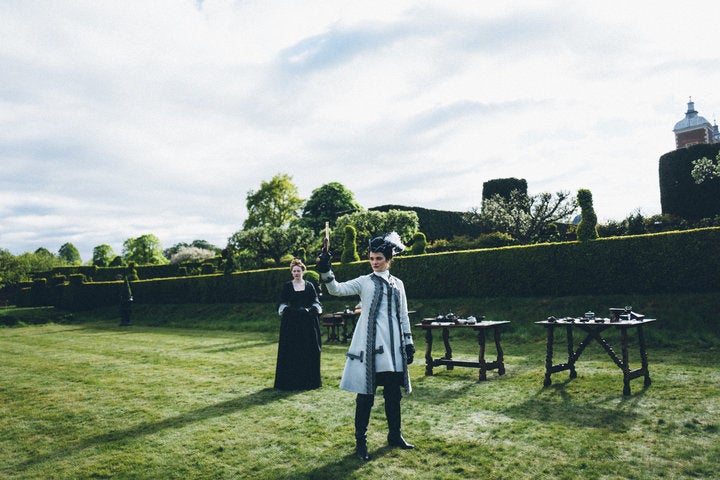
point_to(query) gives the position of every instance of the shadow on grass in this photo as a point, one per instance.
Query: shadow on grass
(342, 467)
(261, 397)
(545, 407)
(233, 346)
(429, 389)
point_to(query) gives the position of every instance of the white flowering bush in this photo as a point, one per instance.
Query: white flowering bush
(191, 254)
(705, 169)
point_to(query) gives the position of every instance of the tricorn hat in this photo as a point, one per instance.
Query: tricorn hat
(389, 245)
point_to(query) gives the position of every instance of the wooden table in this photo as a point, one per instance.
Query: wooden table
(480, 327)
(337, 325)
(594, 329)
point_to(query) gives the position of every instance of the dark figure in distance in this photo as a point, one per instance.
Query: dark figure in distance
(298, 359)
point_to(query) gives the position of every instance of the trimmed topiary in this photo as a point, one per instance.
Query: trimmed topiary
(587, 228)
(349, 253)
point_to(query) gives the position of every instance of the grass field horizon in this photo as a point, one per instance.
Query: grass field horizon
(186, 392)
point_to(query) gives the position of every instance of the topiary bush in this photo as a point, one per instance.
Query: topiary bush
(349, 253)
(131, 273)
(419, 244)
(587, 228)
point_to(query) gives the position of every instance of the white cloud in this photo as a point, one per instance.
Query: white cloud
(120, 119)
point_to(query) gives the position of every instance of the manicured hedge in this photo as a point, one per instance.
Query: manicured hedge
(679, 194)
(685, 261)
(107, 274)
(437, 224)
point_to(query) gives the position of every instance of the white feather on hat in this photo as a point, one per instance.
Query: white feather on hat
(395, 239)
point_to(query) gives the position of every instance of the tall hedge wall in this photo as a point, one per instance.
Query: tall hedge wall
(437, 224)
(503, 187)
(679, 194)
(686, 261)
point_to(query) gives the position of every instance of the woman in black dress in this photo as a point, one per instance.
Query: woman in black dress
(298, 359)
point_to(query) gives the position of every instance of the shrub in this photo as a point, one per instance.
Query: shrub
(207, 268)
(504, 187)
(132, 274)
(587, 228)
(419, 244)
(349, 252)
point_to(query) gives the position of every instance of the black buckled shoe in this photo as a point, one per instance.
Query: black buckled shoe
(397, 440)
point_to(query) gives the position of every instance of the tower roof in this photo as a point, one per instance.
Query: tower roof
(692, 120)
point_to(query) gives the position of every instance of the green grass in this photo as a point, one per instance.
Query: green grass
(186, 392)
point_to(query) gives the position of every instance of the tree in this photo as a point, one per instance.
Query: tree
(372, 223)
(191, 254)
(19, 268)
(349, 252)
(261, 243)
(326, 204)
(144, 250)
(705, 169)
(528, 219)
(275, 205)
(587, 228)
(44, 253)
(103, 255)
(203, 244)
(69, 254)
(636, 223)
(11, 270)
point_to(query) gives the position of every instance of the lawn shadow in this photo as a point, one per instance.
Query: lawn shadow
(545, 407)
(342, 467)
(232, 346)
(428, 389)
(261, 397)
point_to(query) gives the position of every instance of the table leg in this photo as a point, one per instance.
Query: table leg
(428, 352)
(481, 356)
(500, 354)
(549, 355)
(448, 350)
(625, 361)
(571, 352)
(643, 355)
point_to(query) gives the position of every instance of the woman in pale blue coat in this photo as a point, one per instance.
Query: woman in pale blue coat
(382, 344)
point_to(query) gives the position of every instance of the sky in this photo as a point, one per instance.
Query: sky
(120, 119)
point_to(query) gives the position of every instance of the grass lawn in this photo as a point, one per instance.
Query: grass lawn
(186, 393)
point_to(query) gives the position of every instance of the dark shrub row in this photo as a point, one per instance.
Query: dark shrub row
(687, 261)
(93, 273)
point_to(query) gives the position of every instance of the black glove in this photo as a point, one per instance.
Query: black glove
(410, 352)
(323, 262)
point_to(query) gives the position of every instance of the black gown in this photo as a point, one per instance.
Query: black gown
(298, 359)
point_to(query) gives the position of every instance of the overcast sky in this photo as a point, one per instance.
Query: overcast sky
(119, 119)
